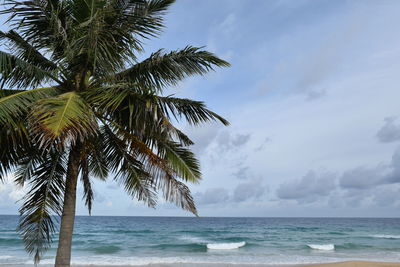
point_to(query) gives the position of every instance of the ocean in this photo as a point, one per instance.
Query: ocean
(146, 240)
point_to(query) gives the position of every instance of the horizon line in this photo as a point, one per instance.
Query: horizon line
(255, 217)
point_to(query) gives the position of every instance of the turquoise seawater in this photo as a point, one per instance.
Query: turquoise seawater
(144, 240)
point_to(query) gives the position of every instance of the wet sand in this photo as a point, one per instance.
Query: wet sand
(358, 264)
(338, 264)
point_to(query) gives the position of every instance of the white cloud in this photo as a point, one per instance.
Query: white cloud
(10, 194)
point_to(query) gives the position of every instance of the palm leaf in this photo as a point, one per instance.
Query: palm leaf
(44, 199)
(96, 158)
(43, 23)
(14, 143)
(129, 171)
(108, 33)
(25, 51)
(165, 69)
(194, 112)
(105, 108)
(16, 103)
(143, 18)
(181, 160)
(88, 194)
(16, 72)
(137, 109)
(178, 193)
(66, 117)
(27, 164)
(176, 161)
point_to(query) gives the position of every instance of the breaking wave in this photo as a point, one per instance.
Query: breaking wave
(322, 247)
(225, 246)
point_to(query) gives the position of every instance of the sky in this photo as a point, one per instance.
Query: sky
(313, 100)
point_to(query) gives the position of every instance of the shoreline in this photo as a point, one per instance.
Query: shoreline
(357, 263)
(332, 264)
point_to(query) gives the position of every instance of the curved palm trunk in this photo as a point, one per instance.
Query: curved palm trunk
(63, 258)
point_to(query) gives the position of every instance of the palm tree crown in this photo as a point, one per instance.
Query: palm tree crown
(75, 101)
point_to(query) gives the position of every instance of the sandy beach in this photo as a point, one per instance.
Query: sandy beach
(358, 264)
(336, 264)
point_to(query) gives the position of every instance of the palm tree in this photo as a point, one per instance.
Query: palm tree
(79, 104)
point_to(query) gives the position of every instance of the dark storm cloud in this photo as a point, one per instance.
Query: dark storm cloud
(252, 190)
(212, 196)
(309, 188)
(390, 131)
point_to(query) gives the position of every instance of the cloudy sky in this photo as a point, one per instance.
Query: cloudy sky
(313, 100)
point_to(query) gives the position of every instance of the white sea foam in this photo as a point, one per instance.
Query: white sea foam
(226, 245)
(122, 261)
(322, 247)
(387, 236)
(228, 259)
(3, 257)
(192, 239)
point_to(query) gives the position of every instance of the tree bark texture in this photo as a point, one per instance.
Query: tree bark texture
(63, 257)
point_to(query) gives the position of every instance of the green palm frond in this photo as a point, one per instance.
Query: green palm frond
(178, 193)
(88, 194)
(194, 112)
(135, 109)
(178, 135)
(101, 106)
(14, 144)
(66, 117)
(96, 158)
(152, 162)
(25, 51)
(129, 171)
(98, 47)
(16, 72)
(43, 23)
(123, 106)
(174, 160)
(144, 18)
(44, 199)
(165, 69)
(15, 103)
(108, 32)
(27, 165)
(138, 184)
(181, 160)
